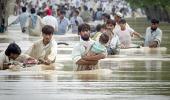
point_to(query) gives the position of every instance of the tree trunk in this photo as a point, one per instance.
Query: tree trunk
(6, 7)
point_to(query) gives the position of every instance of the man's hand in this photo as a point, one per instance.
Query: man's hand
(45, 61)
(153, 44)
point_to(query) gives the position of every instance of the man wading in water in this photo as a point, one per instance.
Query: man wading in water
(81, 60)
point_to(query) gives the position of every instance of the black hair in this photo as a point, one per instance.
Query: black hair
(155, 21)
(122, 21)
(98, 27)
(110, 21)
(24, 9)
(76, 11)
(63, 12)
(33, 11)
(47, 29)
(104, 38)
(85, 8)
(106, 15)
(83, 27)
(58, 9)
(12, 48)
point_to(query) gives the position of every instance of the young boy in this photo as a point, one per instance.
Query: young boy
(45, 50)
(99, 46)
(100, 30)
(12, 56)
(125, 34)
(113, 45)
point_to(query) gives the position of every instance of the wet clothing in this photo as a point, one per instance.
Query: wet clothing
(113, 46)
(80, 50)
(97, 36)
(153, 36)
(35, 25)
(41, 51)
(22, 19)
(5, 59)
(50, 20)
(125, 36)
(98, 48)
(117, 27)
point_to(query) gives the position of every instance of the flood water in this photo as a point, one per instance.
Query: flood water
(140, 75)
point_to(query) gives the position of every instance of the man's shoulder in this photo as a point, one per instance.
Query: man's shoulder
(148, 28)
(38, 42)
(159, 30)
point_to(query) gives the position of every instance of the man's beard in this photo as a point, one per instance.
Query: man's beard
(85, 37)
(153, 29)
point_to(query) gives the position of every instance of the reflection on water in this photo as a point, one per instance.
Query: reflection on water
(131, 80)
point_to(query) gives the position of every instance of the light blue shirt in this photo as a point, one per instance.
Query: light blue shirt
(153, 36)
(22, 19)
(63, 26)
(97, 47)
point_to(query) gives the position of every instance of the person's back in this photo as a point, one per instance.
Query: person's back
(34, 24)
(22, 18)
(50, 20)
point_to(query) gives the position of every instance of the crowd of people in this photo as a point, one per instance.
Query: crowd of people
(110, 36)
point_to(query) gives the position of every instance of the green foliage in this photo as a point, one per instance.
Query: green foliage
(144, 3)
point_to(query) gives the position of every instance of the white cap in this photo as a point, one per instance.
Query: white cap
(119, 14)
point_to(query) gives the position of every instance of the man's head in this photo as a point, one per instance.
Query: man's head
(62, 14)
(84, 31)
(58, 12)
(47, 33)
(103, 28)
(105, 17)
(33, 11)
(98, 27)
(13, 51)
(85, 8)
(24, 9)
(110, 24)
(104, 38)
(118, 16)
(76, 12)
(154, 24)
(122, 23)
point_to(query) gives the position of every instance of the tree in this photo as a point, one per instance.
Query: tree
(153, 8)
(6, 8)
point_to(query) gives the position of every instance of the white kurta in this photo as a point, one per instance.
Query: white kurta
(50, 20)
(153, 36)
(41, 51)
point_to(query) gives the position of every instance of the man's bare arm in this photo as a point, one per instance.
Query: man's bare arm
(138, 35)
(85, 62)
(94, 57)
